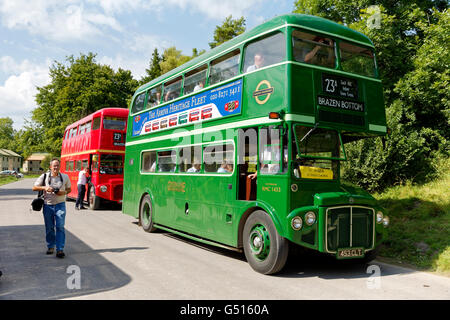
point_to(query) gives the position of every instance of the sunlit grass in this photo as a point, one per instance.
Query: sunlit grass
(419, 232)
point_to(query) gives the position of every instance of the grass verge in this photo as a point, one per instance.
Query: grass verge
(419, 231)
(9, 179)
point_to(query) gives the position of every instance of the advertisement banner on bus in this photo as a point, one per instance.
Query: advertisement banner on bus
(211, 104)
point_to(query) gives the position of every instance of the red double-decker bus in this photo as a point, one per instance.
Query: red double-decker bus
(97, 142)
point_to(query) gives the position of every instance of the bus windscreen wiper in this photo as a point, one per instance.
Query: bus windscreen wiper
(309, 132)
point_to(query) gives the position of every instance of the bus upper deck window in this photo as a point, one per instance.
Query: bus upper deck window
(265, 52)
(313, 49)
(154, 96)
(225, 67)
(114, 123)
(138, 104)
(195, 80)
(357, 59)
(96, 123)
(88, 126)
(172, 89)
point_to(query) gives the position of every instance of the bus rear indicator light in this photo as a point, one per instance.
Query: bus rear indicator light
(274, 115)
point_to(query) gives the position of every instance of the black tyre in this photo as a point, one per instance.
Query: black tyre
(94, 200)
(146, 214)
(266, 251)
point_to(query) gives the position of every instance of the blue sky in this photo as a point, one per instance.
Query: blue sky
(123, 33)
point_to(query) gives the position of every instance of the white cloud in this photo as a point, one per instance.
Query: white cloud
(216, 9)
(17, 93)
(137, 66)
(56, 20)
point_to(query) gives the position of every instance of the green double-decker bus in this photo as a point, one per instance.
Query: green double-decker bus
(241, 146)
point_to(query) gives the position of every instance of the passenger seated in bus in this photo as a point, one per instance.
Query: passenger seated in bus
(258, 62)
(195, 167)
(199, 86)
(158, 99)
(225, 167)
(319, 58)
(170, 95)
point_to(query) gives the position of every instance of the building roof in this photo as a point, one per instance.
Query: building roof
(9, 153)
(39, 156)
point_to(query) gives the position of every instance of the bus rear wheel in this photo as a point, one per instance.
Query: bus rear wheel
(94, 200)
(266, 251)
(146, 214)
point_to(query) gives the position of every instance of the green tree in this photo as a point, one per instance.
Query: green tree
(229, 29)
(75, 91)
(424, 92)
(6, 133)
(154, 70)
(172, 58)
(29, 139)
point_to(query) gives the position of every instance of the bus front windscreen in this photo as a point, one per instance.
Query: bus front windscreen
(319, 151)
(111, 164)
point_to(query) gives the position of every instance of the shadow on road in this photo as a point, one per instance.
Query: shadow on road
(305, 263)
(28, 273)
(16, 194)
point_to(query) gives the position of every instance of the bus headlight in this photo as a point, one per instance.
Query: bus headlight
(103, 188)
(310, 218)
(296, 223)
(379, 217)
(385, 221)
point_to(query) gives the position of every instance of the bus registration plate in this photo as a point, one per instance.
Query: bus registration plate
(350, 253)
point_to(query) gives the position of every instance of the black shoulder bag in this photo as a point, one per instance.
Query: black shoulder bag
(38, 202)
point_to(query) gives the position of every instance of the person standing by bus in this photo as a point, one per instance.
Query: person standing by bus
(81, 185)
(55, 188)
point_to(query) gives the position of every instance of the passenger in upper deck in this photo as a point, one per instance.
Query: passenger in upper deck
(258, 62)
(158, 99)
(199, 86)
(322, 55)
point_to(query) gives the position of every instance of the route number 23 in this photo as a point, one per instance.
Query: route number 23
(331, 85)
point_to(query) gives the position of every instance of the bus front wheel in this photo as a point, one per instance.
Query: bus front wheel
(94, 200)
(146, 214)
(266, 251)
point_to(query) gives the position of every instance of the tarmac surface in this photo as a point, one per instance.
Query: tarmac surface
(108, 256)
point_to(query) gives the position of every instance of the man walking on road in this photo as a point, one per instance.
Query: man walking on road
(55, 188)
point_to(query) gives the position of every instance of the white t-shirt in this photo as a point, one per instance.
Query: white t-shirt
(82, 178)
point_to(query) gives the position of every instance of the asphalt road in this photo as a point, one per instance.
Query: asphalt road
(110, 257)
